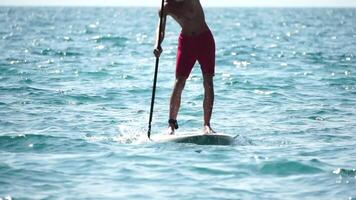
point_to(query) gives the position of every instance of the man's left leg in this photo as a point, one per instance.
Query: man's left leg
(208, 102)
(175, 102)
(206, 58)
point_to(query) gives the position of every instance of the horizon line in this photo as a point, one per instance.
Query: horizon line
(149, 6)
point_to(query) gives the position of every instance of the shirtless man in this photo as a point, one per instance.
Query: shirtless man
(195, 43)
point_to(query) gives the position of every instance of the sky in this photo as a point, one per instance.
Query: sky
(209, 3)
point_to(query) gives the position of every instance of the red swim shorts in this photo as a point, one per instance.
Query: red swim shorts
(199, 48)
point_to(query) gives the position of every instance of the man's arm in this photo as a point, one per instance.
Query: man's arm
(158, 49)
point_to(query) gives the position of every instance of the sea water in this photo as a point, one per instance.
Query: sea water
(75, 92)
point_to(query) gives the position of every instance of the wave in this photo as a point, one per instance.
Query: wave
(56, 52)
(287, 168)
(115, 40)
(345, 172)
(22, 89)
(44, 144)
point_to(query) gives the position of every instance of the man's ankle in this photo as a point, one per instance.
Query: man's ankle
(173, 124)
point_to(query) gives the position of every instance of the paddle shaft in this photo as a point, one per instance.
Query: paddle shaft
(156, 71)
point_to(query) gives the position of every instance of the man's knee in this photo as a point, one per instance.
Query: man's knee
(180, 82)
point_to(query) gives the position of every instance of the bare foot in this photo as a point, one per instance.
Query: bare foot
(208, 130)
(172, 126)
(170, 130)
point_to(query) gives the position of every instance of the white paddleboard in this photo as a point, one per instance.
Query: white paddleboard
(199, 139)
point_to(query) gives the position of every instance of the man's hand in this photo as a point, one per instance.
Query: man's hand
(157, 52)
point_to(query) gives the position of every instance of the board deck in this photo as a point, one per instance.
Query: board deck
(199, 139)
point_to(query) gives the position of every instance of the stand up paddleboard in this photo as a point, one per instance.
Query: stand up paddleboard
(199, 139)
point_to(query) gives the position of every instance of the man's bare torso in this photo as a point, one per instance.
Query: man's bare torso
(189, 14)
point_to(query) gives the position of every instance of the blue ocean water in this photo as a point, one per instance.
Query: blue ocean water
(75, 89)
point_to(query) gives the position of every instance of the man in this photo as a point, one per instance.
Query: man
(195, 43)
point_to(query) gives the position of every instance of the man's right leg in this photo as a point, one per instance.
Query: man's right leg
(175, 101)
(208, 102)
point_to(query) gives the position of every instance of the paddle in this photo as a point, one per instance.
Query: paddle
(156, 70)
